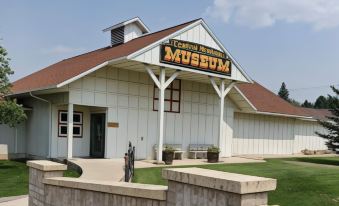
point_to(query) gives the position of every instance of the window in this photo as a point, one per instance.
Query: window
(77, 124)
(172, 97)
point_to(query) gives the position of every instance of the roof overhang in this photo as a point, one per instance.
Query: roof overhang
(241, 100)
(127, 62)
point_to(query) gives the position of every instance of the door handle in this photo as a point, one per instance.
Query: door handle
(142, 138)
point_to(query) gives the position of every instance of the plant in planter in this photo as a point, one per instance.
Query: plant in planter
(213, 154)
(168, 155)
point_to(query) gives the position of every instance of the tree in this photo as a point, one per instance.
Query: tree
(321, 103)
(11, 113)
(283, 92)
(307, 104)
(294, 102)
(332, 101)
(332, 124)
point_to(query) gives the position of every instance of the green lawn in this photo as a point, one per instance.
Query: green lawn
(299, 183)
(14, 178)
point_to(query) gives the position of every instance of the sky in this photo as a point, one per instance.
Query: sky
(275, 41)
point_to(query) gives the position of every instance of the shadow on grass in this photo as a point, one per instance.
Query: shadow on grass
(4, 166)
(325, 161)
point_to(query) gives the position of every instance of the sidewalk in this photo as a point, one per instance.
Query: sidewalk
(101, 169)
(192, 162)
(21, 200)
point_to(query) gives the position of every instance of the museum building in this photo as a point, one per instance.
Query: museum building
(177, 86)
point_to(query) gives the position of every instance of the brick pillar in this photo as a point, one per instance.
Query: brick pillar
(196, 186)
(39, 170)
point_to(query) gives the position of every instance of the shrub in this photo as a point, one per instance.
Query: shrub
(213, 149)
(168, 149)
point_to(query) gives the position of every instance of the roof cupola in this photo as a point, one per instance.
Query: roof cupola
(127, 31)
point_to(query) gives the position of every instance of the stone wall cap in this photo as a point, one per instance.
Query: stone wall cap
(155, 192)
(225, 181)
(45, 165)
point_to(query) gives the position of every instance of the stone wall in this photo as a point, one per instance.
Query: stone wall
(38, 171)
(186, 186)
(196, 186)
(48, 187)
(3, 152)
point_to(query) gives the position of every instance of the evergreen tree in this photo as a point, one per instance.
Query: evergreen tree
(10, 112)
(321, 103)
(283, 92)
(307, 104)
(294, 102)
(332, 124)
(332, 101)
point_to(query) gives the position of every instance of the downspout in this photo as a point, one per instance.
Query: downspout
(16, 141)
(49, 122)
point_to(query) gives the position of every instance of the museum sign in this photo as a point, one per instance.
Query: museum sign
(195, 56)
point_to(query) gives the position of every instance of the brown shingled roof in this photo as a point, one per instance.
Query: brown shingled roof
(263, 99)
(69, 68)
(319, 114)
(266, 101)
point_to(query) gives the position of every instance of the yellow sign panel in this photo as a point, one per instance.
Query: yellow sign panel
(195, 56)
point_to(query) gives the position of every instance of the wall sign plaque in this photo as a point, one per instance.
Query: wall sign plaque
(195, 56)
(113, 124)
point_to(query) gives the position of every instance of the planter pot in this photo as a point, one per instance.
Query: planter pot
(167, 157)
(212, 157)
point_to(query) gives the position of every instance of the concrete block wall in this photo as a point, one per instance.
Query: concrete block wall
(63, 196)
(3, 152)
(186, 187)
(48, 187)
(196, 186)
(38, 171)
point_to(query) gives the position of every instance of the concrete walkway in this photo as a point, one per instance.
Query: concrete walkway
(101, 169)
(21, 200)
(113, 169)
(192, 162)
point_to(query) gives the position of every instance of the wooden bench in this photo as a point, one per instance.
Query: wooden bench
(195, 149)
(178, 152)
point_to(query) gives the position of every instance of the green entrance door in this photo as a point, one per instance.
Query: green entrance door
(97, 143)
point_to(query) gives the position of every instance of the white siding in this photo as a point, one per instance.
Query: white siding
(128, 96)
(14, 138)
(261, 134)
(131, 31)
(80, 145)
(305, 137)
(198, 34)
(37, 128)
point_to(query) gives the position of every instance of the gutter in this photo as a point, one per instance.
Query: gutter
(284, 115)
(305, 118)
(49, 122)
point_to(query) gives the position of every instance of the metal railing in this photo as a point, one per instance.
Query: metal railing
(129, 162)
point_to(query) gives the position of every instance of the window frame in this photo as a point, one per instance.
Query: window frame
(78, 124)
(170, 100)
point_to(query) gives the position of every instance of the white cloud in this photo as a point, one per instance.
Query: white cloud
(61, 49)
(320, 14)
